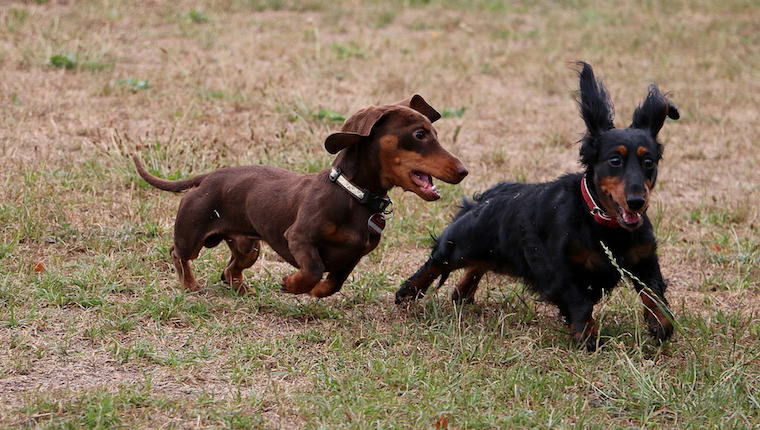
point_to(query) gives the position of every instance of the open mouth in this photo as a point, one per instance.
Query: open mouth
(626, 217)
(424, 182)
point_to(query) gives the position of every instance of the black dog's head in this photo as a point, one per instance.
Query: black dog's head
(621, 164)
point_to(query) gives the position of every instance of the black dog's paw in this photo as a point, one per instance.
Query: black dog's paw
(585, 335)
(457, 298)
(407, 292)
(660, 328)
(588, 342)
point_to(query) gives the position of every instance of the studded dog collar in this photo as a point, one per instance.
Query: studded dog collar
(374, 202)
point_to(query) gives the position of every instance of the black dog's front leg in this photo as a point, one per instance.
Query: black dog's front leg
(416, 286)
(651, 289)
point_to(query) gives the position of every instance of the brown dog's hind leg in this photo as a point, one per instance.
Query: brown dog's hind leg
(245, 251)
(466, 287)
(186, 277)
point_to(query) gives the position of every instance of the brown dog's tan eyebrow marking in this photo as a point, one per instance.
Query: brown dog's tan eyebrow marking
(642, 151)
(622, 150)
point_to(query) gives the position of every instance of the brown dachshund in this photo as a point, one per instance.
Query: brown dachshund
(319, 222)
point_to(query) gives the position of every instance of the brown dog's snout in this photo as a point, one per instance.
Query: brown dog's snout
(462, 171)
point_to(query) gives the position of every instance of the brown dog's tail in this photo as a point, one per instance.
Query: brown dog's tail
(165, 184)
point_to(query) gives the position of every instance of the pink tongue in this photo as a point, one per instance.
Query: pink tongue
(425, 182)
(630, 217)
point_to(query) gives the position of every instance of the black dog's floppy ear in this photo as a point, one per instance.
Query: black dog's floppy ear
(338, 141)
(650, 116)
(595, 104)
(419, 104)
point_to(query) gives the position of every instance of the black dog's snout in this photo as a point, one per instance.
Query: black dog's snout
(635, 202)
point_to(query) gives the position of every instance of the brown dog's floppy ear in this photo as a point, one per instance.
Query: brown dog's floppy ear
(356, 128)
(338, 141)
(419, 104)
(362, 121)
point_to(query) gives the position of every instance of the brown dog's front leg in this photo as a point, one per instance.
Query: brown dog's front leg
(306, 254)
(333, 282)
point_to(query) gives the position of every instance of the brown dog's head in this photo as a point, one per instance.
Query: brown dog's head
(400, 142)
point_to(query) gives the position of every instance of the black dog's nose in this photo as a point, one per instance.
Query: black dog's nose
(635, 202)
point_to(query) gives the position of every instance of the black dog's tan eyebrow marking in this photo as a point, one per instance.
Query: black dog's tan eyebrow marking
(642, 151)
(622, 150)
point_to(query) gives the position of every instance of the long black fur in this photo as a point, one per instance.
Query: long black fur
(545, 234)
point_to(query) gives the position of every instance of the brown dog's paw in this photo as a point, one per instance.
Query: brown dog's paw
(194, 288)
(323, 288)
(299, 283)
(237, 283)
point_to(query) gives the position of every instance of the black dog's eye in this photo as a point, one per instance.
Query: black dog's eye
(419, 134)
(615, 161)
(648, 163)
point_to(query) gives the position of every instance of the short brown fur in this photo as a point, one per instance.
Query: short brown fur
(309, 220)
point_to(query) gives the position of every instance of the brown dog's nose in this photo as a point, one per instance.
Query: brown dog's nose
(462, 171)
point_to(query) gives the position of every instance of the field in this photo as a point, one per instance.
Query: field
(96, 333)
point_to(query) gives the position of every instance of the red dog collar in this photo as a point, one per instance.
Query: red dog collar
(600, 216)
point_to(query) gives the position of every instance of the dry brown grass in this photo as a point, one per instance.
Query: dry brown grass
(240, 82)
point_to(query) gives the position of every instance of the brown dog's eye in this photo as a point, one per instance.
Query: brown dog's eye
(648, 163)
(615, 161)
(419, 134)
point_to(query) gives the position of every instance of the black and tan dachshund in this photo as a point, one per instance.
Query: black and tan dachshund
(553, 234)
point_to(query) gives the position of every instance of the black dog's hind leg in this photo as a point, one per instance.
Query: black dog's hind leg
(546, 268)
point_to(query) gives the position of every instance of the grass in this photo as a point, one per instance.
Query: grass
(95, 333)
